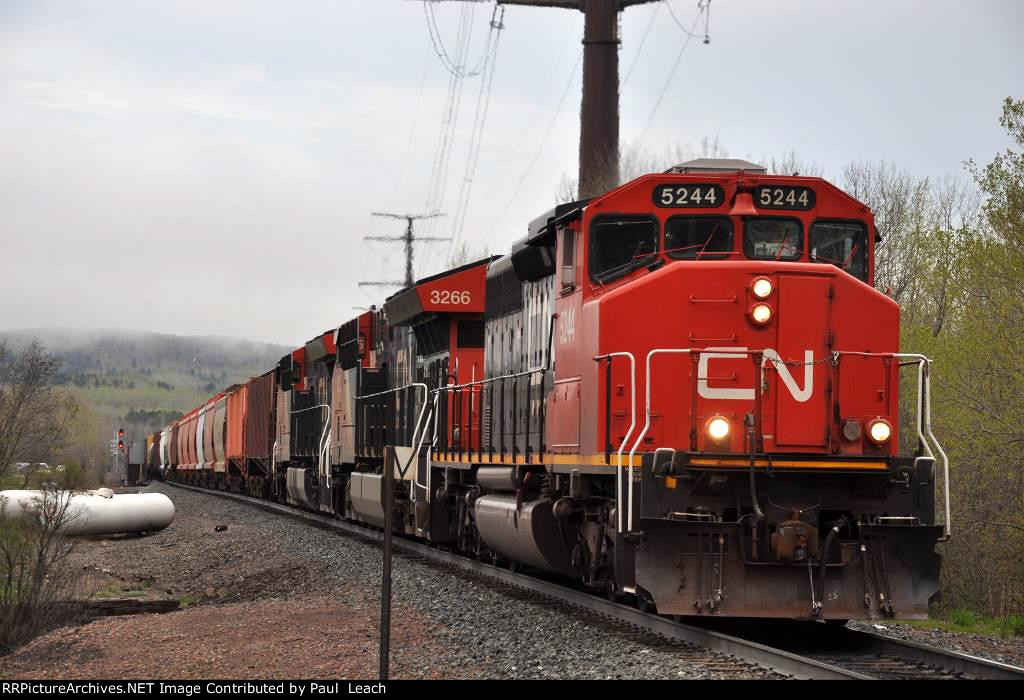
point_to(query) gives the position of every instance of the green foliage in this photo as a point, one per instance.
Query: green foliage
(952, 256)
(967, 312)
(963, 618)
(36, 582)
(142, 381)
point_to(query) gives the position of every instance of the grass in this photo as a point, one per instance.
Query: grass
(187, 392)
(186, 600)
(119, 590)
(71, 477)
(964, 620)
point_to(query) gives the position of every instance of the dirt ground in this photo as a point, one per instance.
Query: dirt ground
(248, 610)
(305, 637)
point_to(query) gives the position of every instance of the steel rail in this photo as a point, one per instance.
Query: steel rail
(955, 661)
(754, 653)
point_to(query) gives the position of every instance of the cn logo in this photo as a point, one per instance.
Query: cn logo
(800, 394)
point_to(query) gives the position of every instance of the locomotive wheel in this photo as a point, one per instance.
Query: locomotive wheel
(644, 601)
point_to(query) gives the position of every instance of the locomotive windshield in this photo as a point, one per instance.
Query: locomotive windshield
(698, 238)
(773, 239)
(621, 244)
(841, 243)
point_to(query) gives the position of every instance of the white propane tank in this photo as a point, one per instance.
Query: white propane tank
(99, 512)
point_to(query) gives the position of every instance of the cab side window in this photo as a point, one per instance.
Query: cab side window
(568, 275)
(621, 244)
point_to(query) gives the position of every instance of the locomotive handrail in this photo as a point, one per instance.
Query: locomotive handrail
(433, 443)
(489, 380)
(923, 413)
(419, 419)
(924, 422)
(647, 411)
(629, 433)
(479, 384)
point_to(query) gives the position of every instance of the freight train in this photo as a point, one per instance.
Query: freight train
(684, 393)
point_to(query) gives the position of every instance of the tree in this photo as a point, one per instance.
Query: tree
(463, 255)
(36, 582)
(980, 407)
(34, 418)
(636, 160)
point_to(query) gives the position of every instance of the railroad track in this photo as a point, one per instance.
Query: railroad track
(868, 653)
(797, 650)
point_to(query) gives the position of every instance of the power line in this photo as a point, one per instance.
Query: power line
(476, 136)
(540, 147)
(439, 173)
(702, 7)
(643, 40)
(439, 178)
(437, 42)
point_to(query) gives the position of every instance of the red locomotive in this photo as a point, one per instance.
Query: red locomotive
(685, 392)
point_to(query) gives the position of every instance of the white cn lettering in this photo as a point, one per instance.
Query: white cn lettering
(769, 356)
(799, 395)
(702, 375)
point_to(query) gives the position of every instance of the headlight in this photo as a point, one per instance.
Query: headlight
(762, 288)
(761, 313)
(880, 431)
(718, 428)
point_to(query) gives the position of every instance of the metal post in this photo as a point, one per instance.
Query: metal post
(599, 115)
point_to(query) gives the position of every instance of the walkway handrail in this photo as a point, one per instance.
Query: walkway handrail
(419, 419)
(629, 433)
(924, 427)
(924, 422)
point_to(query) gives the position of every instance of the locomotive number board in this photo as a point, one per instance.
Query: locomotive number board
(695, 195)
(783, 197)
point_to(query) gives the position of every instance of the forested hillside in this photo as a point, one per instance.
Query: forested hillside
(144, 380)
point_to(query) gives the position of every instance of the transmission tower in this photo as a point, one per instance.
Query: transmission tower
(409, 238)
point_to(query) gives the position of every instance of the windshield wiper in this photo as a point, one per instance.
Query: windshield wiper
(628, 265)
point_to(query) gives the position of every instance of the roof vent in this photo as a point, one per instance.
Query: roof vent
(717, 165)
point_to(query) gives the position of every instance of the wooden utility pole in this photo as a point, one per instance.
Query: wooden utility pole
(599, 113)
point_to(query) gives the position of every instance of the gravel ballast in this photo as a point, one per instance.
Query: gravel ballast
(456, 626)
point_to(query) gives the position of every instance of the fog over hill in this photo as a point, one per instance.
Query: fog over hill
(145, 379)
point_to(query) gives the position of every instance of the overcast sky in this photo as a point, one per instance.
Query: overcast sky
(210, 167)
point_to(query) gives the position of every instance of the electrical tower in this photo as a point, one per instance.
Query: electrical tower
(408, 238)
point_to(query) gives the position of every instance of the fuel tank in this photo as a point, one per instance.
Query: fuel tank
(365, 494)
(529, 535)
(302, 488)
(100, 512)
(505, 479)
